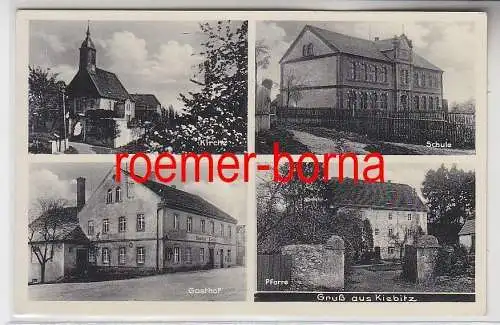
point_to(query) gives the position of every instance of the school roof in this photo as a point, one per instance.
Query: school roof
(177, 199)
(363, 47)
(469, 228)
(385, 196)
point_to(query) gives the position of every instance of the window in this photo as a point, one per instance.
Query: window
(202, 225)
(118, 194)
(189, 257)
(202, 254)
(177, 256)
(122, 255)
(404, 102)
(424, 103)
(141, 255)
(377, 231)
(373, 101)
(310, 49)
(141, 225)
(415, 79)
(429, 81)
(364, 101)
(408, 231)
(304, 50)
(390, 250)
(92, 255)
(409, 216)
(373, 73)
(109, 197)
(431, 103)
(390, 215)
(229, 234)
(212, 227)
(229, 255)
(363, 71)
(105, 255)
(90, 227)
(390, 231)
(122, 224)
(105, 226)
(383, 99)
(176, 221)
(189, 224)
(415, 102)
(352, 70)
(222, 230)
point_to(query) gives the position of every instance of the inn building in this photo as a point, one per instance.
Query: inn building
(395, 211)
(157, 227)
(326, 69)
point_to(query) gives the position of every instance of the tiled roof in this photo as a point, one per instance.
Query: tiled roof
(387, 195)
(175, 198)
(65, 223)
(108, 85)
(365, 48)
(468, 228)
(148, 101)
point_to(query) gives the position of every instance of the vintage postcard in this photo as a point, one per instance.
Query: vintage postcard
(205, 165)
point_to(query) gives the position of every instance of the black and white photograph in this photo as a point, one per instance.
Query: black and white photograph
(413, 233)
(94, 238)
(98, 87)
(393, 87)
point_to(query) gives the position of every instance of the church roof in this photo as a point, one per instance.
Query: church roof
(177, 199)
(87, 42)
(148, 101)
(363, 47)
(108, 85)
(385, 196)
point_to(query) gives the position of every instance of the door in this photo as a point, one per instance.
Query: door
(81, 261)
(211, 258)
(377, 253)
(221, 258)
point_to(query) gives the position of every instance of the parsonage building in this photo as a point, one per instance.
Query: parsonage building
(142, 228)
(325, 69)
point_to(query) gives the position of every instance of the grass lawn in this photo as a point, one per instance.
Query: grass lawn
(265, 139)
(364, 280)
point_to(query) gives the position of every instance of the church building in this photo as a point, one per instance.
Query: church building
(326, 69)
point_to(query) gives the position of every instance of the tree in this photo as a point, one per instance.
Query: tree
(44, 231)
(410, 235)
(450, 195)
(367, 236)
(262, 56)
(292, 91)
(215, 117)
(45, 97)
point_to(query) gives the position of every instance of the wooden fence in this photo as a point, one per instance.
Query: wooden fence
(407, 127)
(273, 267)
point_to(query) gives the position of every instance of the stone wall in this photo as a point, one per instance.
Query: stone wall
(420, 260)
(317, 266)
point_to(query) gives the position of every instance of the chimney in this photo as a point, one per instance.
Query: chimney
(376, 38)
(80, 192)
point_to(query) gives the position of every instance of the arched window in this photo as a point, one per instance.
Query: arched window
(431, 103)
(304, 50)
(424, 103)
(438, 103)
(109, 196)
(415, 103)
(363, 71)
(352, 70)
(384, 74)
(310, 49)
(373, 101)
(383, 100)
(404, 102)
(364, 100)
(351, 100)
(118, 194)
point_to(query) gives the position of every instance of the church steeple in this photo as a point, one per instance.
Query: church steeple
(88, 53)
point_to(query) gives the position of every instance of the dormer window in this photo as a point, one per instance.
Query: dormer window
(308, 50)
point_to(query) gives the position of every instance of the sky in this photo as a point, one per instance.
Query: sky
(58, 180)
(411, 173)
(447, 45)
(148, 57)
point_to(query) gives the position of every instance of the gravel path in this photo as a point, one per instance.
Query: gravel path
(319, 145)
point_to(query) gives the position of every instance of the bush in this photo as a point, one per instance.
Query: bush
(452, 261)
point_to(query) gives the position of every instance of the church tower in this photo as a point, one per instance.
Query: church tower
(87, 53)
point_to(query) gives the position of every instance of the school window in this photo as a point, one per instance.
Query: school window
(229, 255)
(122, 255)
(140, 255)
(177, 256)
(105, 226)
(90, 227)
(229, 231)
(141, 225)
(109, 197)
(202, 254)
(222, 230)
(105, 255)
(212, 227)
(409, 216)
(352, 70)
(390, 250)
(377, 231)
(122, 224)
(176, 221)
(189, 257)
(310, 49)
(384, 74)
(189, 224)
(390, 231)
(118, 194)
(202, 225)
